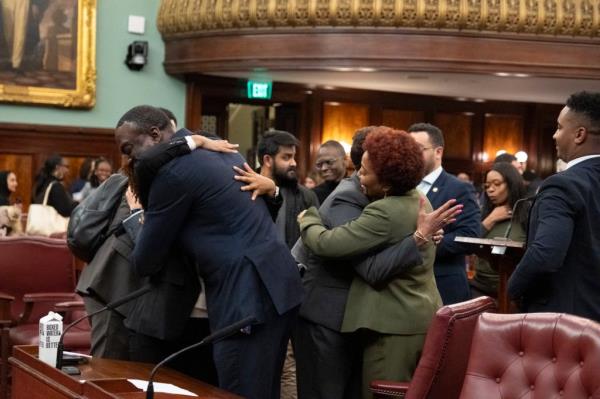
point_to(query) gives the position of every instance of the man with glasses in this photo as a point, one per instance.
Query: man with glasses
(331, 165)
(440, 186)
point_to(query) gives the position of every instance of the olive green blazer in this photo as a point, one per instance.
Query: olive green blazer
(407, 304)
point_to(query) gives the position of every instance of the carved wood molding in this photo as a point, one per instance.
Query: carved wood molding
(574, 18)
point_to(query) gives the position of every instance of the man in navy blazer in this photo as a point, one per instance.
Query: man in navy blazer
(196, 207)
(560, 271)
(440, 186)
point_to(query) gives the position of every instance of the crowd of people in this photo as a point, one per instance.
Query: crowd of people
(341, 275)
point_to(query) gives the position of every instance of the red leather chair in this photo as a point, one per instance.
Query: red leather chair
(533, 356)
(36, 273)
(445, 354)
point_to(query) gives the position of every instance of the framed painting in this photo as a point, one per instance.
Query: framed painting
(48, 52)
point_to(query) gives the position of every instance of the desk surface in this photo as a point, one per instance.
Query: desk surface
(105, 369)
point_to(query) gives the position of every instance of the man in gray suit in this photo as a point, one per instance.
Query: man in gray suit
(328, 361)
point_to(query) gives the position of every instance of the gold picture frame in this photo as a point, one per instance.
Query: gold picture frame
(49, 69)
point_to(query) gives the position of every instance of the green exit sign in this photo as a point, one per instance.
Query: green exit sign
(261, 90)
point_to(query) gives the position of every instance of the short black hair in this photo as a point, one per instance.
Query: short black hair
(336, 145)
(271, 141)
(145, 117)
(170, 114)
(357, 150)
(435, 134)
(587, 104)
(505, 157)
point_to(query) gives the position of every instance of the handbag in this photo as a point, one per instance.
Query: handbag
(44, 220)
(91, 221)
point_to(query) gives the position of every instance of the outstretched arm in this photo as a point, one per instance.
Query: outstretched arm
(368, 232)
(150, 161)
(377, 270)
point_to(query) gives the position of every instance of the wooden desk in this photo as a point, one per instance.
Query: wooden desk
(504, 262)
(99, 379)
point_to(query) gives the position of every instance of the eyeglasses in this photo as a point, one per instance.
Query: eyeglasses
(494, 184)
(326, 162)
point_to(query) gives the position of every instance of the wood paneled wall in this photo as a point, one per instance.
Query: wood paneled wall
(341, 120)
(25, 147)
(468, 131)
(502, 132)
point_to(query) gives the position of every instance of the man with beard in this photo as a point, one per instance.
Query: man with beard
(560, 270)
(276, 155)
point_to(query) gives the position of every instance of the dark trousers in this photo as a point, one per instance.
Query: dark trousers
(250, 365)
(197, 363)
(109, 336)
(328, 363)
(453, 288)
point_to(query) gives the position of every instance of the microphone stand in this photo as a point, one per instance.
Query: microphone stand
(500, 250)
(112, 306)
(217, 336)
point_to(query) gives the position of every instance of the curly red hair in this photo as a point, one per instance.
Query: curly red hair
(396, 157)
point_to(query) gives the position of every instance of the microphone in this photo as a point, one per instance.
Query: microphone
(513, 214)
(215, 337)
(112, 306)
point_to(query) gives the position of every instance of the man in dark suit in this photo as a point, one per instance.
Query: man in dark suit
(329, 363)
(560, 271)
(196, 207)
(440, 186)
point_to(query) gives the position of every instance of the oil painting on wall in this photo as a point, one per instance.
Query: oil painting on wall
(47, 52)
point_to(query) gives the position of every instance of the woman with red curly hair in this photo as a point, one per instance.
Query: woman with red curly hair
(393, 319)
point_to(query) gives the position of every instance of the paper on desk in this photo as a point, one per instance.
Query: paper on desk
(162, 387)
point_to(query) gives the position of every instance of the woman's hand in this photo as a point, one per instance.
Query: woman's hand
(257, 183)
(132, 199)
(498, 214)
(214, 145)
(429, 224)
(300, 216)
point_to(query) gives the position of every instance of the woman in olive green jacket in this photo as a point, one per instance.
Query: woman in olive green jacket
(395, 318)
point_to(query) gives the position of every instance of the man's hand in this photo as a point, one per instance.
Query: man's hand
(430, 225)
(438, 236)
(257, 183)
(214, 145)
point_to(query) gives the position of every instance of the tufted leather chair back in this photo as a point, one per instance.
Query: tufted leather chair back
(533, 356)
(446, 350)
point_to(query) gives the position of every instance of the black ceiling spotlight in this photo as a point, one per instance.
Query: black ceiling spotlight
(137, 55)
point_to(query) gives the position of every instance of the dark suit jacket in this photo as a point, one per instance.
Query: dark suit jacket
(196, 206)
(450, 255)
(560, 271)
(327, 281)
